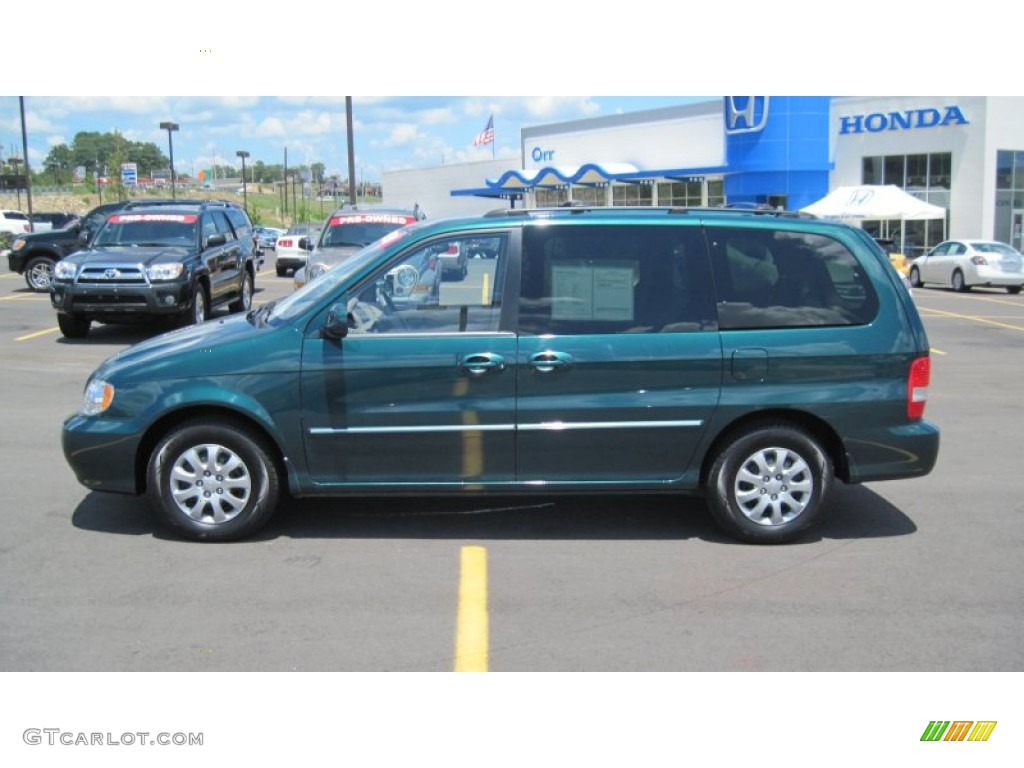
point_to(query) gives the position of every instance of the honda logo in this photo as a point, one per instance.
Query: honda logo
(861, 196)
(745, 114)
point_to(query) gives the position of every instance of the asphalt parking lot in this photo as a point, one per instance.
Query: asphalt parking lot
(907, 575)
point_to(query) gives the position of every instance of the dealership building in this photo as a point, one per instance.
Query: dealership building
(963, 153)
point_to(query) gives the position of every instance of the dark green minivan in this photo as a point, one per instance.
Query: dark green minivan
(750, 356)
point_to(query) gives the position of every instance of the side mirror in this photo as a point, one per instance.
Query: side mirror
(336, 324)
(214, 240)
(84, 236)
(304, 244)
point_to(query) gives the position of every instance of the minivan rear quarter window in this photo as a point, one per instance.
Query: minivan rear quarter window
(785, 279)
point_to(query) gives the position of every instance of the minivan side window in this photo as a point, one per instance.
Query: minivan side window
(434, 288)
(633, 279)
(779, 279)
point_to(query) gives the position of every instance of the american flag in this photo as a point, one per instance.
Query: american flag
(486, 136)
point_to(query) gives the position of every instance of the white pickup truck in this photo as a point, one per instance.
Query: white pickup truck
(14, 222)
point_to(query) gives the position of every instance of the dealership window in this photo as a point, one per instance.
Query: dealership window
(549, 197)
(689, 194)
(1009, 216)
(925, 176)
(590, 195)
(685, 194)
(632, 194)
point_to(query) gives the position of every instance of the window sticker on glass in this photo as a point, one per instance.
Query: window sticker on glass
(589, 292)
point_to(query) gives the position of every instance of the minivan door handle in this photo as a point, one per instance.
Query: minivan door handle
(547, 362)
(479, 363)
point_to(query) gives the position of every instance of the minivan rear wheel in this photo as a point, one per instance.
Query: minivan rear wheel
(211, 480)
(767, 485)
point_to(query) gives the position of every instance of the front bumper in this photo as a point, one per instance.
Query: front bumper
(101, 452)
(120, 300)
(15, 260)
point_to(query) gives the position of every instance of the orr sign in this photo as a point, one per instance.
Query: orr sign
(903, 120)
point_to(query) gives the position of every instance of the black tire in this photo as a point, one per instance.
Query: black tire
(959, 284)
(767, 485)
(1013, 289)
(244, 302)
(199, 309)
(215, 506)
(915, 278)
(282, 271)
(73, 326)
(39, 273)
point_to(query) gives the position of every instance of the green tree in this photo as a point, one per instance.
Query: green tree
(58, 160)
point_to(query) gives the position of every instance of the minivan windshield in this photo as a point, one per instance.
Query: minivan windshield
(315, 291)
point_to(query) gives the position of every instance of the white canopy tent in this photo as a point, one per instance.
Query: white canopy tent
(876, 202)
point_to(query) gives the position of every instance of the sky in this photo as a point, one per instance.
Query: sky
(233, 83)
(391, 133)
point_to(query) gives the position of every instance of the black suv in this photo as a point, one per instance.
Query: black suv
(34, 255)
(174, 262)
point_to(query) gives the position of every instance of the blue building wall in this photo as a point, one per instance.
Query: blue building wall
(778, 146)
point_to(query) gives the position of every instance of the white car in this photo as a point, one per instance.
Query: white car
(289, 256)
(963, 264)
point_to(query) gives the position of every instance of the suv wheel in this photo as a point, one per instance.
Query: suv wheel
(244, 302)
(39, 273)
(767, 486)
(212, 480)
(199, 311)
(74, 326)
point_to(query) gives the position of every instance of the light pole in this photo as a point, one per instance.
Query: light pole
(170, 128)
(245, 196)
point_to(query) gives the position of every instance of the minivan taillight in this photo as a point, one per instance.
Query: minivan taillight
(917, 387)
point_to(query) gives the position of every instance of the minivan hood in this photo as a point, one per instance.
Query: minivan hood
(214, 348)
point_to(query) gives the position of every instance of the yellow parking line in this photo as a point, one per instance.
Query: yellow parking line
(25, 297)
(935, 351)
(266, 272)
(471, 633)
(973, 318)
(28, 336)
(972, 296)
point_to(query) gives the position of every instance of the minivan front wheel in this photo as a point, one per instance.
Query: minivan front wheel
(213, 481)
(767, 486)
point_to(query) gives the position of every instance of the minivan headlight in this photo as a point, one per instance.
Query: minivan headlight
(165, 271)
(98, 396)
(64, 270)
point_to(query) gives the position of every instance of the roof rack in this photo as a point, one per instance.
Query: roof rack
(576, 210)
